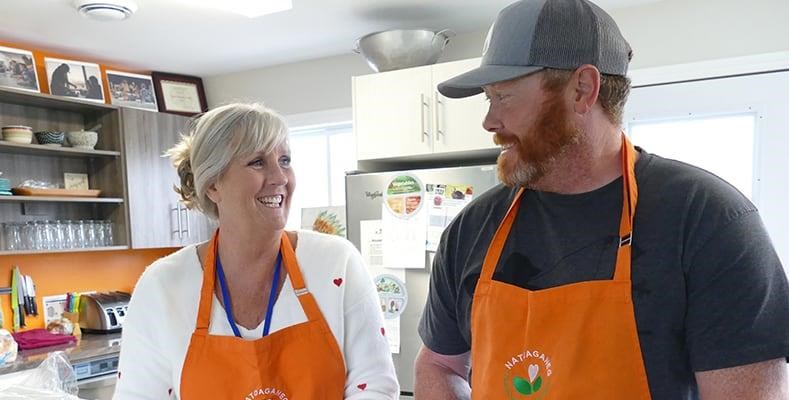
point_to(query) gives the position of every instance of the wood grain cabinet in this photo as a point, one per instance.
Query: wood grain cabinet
(103, 165)
(158, 217)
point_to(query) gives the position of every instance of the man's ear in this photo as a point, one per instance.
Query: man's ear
(586, 88)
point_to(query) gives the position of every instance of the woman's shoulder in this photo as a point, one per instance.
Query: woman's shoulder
(173, 267)
(332, 262)
(325, 255)
(323, 245)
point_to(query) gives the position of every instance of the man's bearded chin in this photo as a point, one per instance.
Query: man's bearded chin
(547, 139)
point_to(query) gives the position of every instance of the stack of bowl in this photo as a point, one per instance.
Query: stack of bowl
(18, 134)
(5, 187)
(50, 138)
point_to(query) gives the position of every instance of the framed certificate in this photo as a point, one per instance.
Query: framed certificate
(179, 94)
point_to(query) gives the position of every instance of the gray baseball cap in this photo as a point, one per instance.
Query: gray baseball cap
(531, 35)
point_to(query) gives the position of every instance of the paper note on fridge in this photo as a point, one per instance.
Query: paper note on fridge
(404, 239)
(444, 202)
(371, 239)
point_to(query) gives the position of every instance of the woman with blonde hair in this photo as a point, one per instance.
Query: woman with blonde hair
(257, 312)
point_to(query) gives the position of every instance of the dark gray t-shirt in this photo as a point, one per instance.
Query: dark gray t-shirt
(708, 288)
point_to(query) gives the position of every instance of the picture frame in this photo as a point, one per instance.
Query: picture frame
(75, 79)
(131, 90)
(179, 94)
(18, 69)
(75, 181)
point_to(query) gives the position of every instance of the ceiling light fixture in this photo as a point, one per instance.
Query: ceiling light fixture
(247, 8)
(106, 10)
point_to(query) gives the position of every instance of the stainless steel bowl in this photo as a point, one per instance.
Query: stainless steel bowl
(402, 48)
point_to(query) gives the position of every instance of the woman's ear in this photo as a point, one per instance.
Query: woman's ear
(587, 88)
(213, 193)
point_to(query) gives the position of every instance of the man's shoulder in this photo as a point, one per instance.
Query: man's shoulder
(678, 185)
(493, 201)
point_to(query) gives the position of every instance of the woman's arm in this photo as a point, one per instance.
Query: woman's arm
(144, 373)
(370, 370)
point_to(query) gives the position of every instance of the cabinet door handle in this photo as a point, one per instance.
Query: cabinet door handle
(177, 210)
(439, 105)
(424, 106)
(186, 214)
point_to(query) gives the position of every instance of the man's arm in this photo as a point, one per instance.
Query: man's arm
(441, 377)
(766, 380)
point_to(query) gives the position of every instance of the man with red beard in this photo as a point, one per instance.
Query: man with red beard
(597, 270)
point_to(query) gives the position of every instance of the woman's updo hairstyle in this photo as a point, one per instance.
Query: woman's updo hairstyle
(215, 138)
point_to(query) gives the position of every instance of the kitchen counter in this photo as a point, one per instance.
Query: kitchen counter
(90, 346)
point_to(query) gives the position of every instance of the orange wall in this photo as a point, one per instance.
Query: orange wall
(41, 68)
(58, 273)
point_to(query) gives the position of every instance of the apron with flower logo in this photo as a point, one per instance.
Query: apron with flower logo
(298, 362)
(575, 341)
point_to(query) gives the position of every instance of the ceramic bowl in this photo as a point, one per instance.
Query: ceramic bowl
(18, 134)
(50, 138)
(83, 139)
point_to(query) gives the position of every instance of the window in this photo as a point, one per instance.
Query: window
(723, 145)
(321, 155)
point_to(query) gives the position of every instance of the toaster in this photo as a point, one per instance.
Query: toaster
(103, 312)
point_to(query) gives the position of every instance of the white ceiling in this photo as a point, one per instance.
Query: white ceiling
(169, 36)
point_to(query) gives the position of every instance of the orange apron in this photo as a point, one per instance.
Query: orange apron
(298, 362)
(576, 341)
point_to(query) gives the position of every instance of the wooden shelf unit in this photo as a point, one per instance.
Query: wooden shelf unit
(21, 252)
(104, 165)
(37, 149)
(48, 199)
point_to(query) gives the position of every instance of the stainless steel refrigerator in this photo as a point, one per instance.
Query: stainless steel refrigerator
(364, 198)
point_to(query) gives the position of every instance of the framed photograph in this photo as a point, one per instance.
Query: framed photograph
(74, 181)
(18, 69)
(131, 90)
(74, 79)
(179, 94)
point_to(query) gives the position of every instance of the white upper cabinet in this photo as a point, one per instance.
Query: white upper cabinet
(401, 114)
(392, 115)
(457, 123)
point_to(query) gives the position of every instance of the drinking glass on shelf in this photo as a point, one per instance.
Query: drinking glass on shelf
(90, 233)
(39, 235)
(28, 233)
(68, 234)
(48, 232)
(107, 227)
(79, 234)
(59, 235)
(98, 233)
(12, 233)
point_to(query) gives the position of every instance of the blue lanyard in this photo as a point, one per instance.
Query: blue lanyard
(226, 297)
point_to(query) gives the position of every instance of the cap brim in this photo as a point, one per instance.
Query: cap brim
(471, 82)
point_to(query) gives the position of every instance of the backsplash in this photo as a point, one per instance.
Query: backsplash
(58, 273)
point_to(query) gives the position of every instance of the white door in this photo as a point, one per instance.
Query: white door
(457, 123)
(391, 114)
(734, 127)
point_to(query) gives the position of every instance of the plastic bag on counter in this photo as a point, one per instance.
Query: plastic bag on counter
(8, 347)
(54, 379)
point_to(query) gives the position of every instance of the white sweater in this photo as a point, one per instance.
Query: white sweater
(163, 311)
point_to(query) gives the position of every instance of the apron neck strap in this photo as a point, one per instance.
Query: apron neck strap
(307, 301)
(630, 198)
(207, 290)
